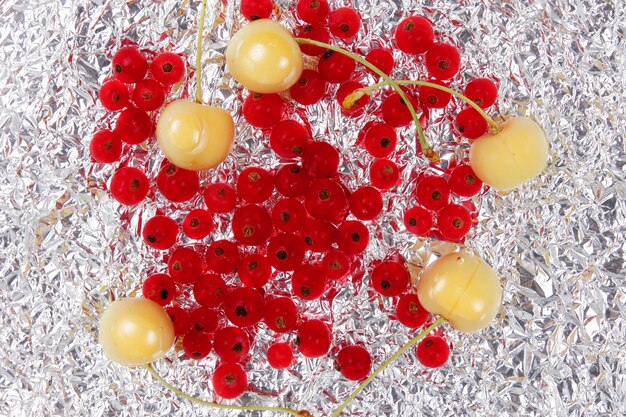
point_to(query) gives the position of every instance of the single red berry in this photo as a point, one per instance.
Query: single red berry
(204, 319)
(356, 107)
(220, 198)
(314, 337)
(309, 89)
(289, 139)
(198, 224)
(129, 186)
(481, 91)
(470, 123)
(336, 264)
(113, 95)
(414, 35)
(395, 111)
(380, 140)
(160, 232)
(105, 147)
(410, 312)
(229, 380)
(289, 215)
(148, 94)
(280, 355)
(185, 265)
(432, 192)
(354, 362)
(418, 221)
(326, 200)
(133, 126)
(167, 68)
(464, 182)
(434, 98)
(344, 22)
(254, 270)
(366, 203)
(281, 314)
(454, 221)
(255, 185)
(317, 235)
(313, 11)
(256, 9)
(384, 174)
(285, 252)
(292, 180)
(308, 281)
(180, 320)
(443, 61)
(177, 184)
(263, 110)
(320, 159)
(252, 225)
(197, 345)
(382, 59)
(244, 306)
(222, 256)
(432, 351)
(231, 344)
(352, 237)
(159, 288)
(209, 290)
(314, 32)
(129, 65)
(335, 67)
(390, 278)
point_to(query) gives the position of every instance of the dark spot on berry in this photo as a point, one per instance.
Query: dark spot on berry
(248, 230)
(253, 18)
(116, 97)
(252, 266)
(335, 265)
(280, 323)
(355, 237)
(171, 169)
(429, 343)
(344, 28)
(308, 240)
(408, 26)
(151, 238)
(308, 28)
(221, 192)
(281, 254)
(163, 294)
(196, 355)
(314, 4)
(198, 327)
(327, 54)
(324, 194)
(412, 221)
(297, 150)
(167, 67)
(413, 307)
(294, 170)
(470, 179)
(146, 95)
(176, 266)
(219, 251)
(134, 184)
(457, 223)
(436, 195)
(387, 170)
(384, 142)
(306, 291)
(386, 285)
(257, 96)
(432, 99)
(303, 81)
(402, 101)
(108, 145)
(230, 379)
(241, 311)
(118, 68)
(284, 217)
(253, 176)
(237, 347)
(461, 129)
(194, 222)
(443, 65)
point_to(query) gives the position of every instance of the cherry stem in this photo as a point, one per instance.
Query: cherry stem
(391, 359)
(426, 149)
(368, 91)
(199, 54)
(196, 400)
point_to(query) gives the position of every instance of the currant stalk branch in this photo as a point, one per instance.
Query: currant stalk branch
(199, 53)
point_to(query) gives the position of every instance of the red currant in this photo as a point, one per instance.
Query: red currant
(335, 67)
(352, 237)
(344, 91)
(209, 290)
(380, 140)
(314, 337)
(326, 200)
(481, 91)
(384, 174)
(410, 312)
(280, 355)
(148, 95)
(285, 252)
(133, 126)
(105, 147)
(244, 306)
(255, 185)
(281, 314)
(254, 270)
(354, 362)
(390, 278)
(414, 35)
(470, 123)
(177, 184)
(454, 221)
(317, 235)
(292, 180)
(344, 22)
(336, 264)
(418, 221)
(395, 111)
(197, 345)
(129, 65)
(382, 59)
(252, 225)
(231, 344)
(366, 203)
(289, 139)
(204, 319)
(263, 110)
(159, 288)
(316, 33)
(432, 351)
(309, 89)
(129, 186)
(289, 215)
(313, 11)
(198, 224)
(180, 319)
(113, 95)
(167, 68)
(222, 256)
(185, 265)
(256, 9)
(160, 232)
(229, 380)
(443, 61)
(464, 182)
(434, 98)
(432, 192)
(320, 159)
(308, 281)
(220, 198)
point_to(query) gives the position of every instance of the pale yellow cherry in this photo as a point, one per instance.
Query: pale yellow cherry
(511, 157)
(462, 288)
(194, 136)
(135, 331)
(264, 57)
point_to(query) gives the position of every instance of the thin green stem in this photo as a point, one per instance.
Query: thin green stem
(420, 133)
(391, 359)
(199, 54)
(180, 393)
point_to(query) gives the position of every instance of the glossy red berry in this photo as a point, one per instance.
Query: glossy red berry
(314, 337)
(380, 140)
(180, 319)
(148, 94)
(390, 278)
(244, 306)
(432, 351)
(308, 281)
(336, 68)
(317, 235)
(354, 362)
(204, 319)
(432, 192)
(185, 265)
(263, 110)
(197, 345)
(133, 126)
(433, 98)
(384, 174)
(410, 312)
(320, 160)
(443, 61)
(309, 89)
(292, 180)
(255, 185)
(129, 65)
(129, 186)
(280, 355)
(254, 270)
(229, 380)
(105, 147)
(159, 288)
(395, 111)
(454, 222)
(366, 203)
(289, 215)
(168, 68)
(222, 256)
(220, 198)
(464, 182)
(231, 344)
(326, 200)
(113, 95)
(252, 225)
(314, 32)
(285, 252)
(281, 314)
(313, 11)
(344, 22)
(209, 290)
(382, 59)
(160, 232)
(289, 139)
(256, 9)
(414, 35)
(418, 221)
(352, 237)
(344, 91)
(481, 91)
(336, 264)
(198, 224)
(177, 184)
(470, 123)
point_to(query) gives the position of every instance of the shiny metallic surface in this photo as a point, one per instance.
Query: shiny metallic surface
(557, 347)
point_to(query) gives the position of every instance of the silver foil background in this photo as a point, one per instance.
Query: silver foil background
(556, 349)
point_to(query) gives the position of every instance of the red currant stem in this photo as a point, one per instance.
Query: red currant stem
(392, 358)
(178, 392)
(432, 155)
(368, 91)
(199, 54)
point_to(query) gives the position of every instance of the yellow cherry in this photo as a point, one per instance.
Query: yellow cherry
(462, 288)
(511, 157)
(135, 331)
(194, 136)
(264, 57)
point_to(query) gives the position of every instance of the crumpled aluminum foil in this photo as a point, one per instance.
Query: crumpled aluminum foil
(558, 346)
